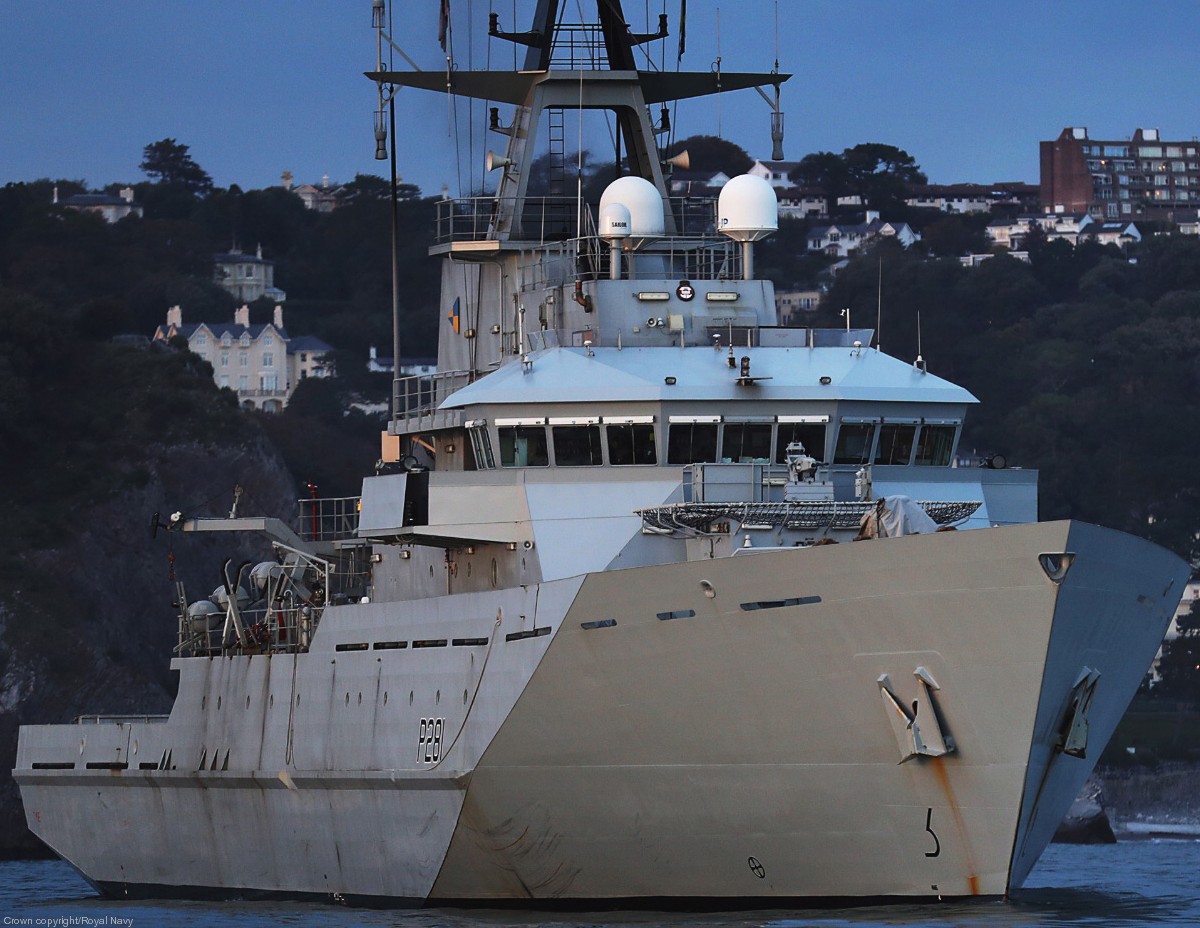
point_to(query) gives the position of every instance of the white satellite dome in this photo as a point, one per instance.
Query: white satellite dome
(615, 221)
(747, 209)
(642, 199)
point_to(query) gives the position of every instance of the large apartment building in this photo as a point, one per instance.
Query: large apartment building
(1143, 177)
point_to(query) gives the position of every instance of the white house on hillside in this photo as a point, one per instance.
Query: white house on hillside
(261, 363)
(774, 173)
(803, 202)
(845, 239)
(1070, 227)
(109, 208)
(247, 277)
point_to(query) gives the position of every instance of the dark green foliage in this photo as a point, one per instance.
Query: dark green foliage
(949, 236)
(1180, 662)
(783, 256)
(79, 415)
(880, 174)
(824, 169)
(320, 417)
(1156, 728)
(171, 165)
(877, 173)
(77, 431)
(712, 153)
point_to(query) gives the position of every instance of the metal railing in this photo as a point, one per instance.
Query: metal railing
(277, 611)
(475, 219)
(329, 519)
(578, 47)
(420, 395)
(548, 218)
(558, 264)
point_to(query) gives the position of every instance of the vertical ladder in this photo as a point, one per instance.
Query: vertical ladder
(558, 207)
(558, 151)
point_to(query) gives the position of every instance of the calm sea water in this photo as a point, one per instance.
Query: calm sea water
(1135, 883)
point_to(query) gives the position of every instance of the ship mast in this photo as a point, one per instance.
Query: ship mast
(563, 72)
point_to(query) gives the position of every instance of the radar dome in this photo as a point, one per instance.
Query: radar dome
(642, 199)
(747, 209)
(614, 221)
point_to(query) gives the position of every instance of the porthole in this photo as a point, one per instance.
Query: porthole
(247, 702)
(438, 698)
(218, 703)
(464, 697)
(468, 568)
(495, 572)
(203, 702)
(385, 697)
(410, 695)
(347, 699)
(360, 699)
(297, 699)
(271, 701)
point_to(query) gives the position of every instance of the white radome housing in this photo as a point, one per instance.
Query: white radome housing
(643, 201)
(747, 209)
(615, 221)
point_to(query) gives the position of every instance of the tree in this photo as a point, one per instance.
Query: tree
(824, 169)
(374, 187)
(170, 164)
(712, 153)
(1180, 663)
(953, 235)
(878, 174)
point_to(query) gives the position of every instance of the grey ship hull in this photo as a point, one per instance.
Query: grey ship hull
(695, 749)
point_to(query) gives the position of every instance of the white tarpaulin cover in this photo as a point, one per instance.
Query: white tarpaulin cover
(896, 516)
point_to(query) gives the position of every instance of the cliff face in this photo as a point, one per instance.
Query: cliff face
(89, 625)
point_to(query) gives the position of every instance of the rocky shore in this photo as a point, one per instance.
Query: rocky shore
(1166, 795)
(1123, 804)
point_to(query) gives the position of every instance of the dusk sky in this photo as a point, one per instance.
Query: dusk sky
(255, 89)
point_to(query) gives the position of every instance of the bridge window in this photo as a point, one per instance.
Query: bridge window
(577, 445)
(854, 443)
(936, 444)
(895, 444)
(746, 443)
(692, 442)
(808, 432)
(523, 446)
(631, 444)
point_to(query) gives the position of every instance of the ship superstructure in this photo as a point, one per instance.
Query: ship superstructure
(652, 599)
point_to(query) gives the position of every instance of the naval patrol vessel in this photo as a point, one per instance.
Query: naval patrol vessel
(652, 600)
